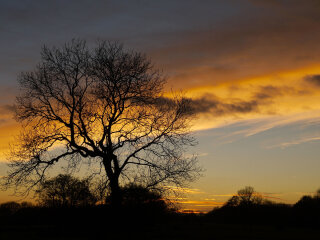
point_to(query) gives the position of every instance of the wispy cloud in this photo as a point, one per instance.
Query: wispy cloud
(273, 196)
(303, 193)
(201, 203)
(222, 195)
(258, 125)
(185, 190)
(295, 142)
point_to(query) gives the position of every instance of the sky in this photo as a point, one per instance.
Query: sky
(252, 68)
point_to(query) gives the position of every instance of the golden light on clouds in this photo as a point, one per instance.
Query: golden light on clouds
(281, 94)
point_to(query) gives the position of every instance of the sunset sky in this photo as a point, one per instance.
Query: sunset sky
(252, 68)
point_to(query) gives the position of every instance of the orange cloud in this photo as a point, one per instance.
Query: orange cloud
(197, 206)
(206, 203)
(184, 190)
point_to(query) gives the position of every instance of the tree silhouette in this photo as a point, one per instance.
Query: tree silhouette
(245, 197)
(104, 104)
(65, 191)
(10, 206)
(312, 202)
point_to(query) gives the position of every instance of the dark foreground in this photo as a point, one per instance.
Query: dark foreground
(176, 230)
(102, 223)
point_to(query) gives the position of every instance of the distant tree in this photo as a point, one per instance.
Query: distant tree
(249, 196)
(65, 191)
(307, 210)
(12, 205)
(317, 195)
(234, 201)
(9, 208)
(104, 104)
(245, 197)
(307, 201)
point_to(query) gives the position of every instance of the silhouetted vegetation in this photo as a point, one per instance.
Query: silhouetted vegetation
(249, 207)
(140, 199)
(246, 197)
(307, 209)
(145, 214)
(66, 206)
(65, 191)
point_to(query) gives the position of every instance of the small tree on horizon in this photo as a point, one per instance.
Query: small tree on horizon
(104, 104)
(245, 197)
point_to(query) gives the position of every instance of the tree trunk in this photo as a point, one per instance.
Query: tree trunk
(115, 195)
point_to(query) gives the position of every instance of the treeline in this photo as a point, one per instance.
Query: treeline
(66, 191)
(70, 203)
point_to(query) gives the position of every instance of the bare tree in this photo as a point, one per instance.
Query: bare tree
(248, 196)
(104, 104)
(245, 197)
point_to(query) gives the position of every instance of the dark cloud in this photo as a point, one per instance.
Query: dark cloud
(211, 104)
(291, 4)
(196, 44)
(233, 39)
(313, 79)
(267, 92)
(267, 38)
(26, 26)
(240, 107)
(220, 107)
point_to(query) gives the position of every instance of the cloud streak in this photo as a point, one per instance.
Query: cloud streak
(296, 142)
(209, 103)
